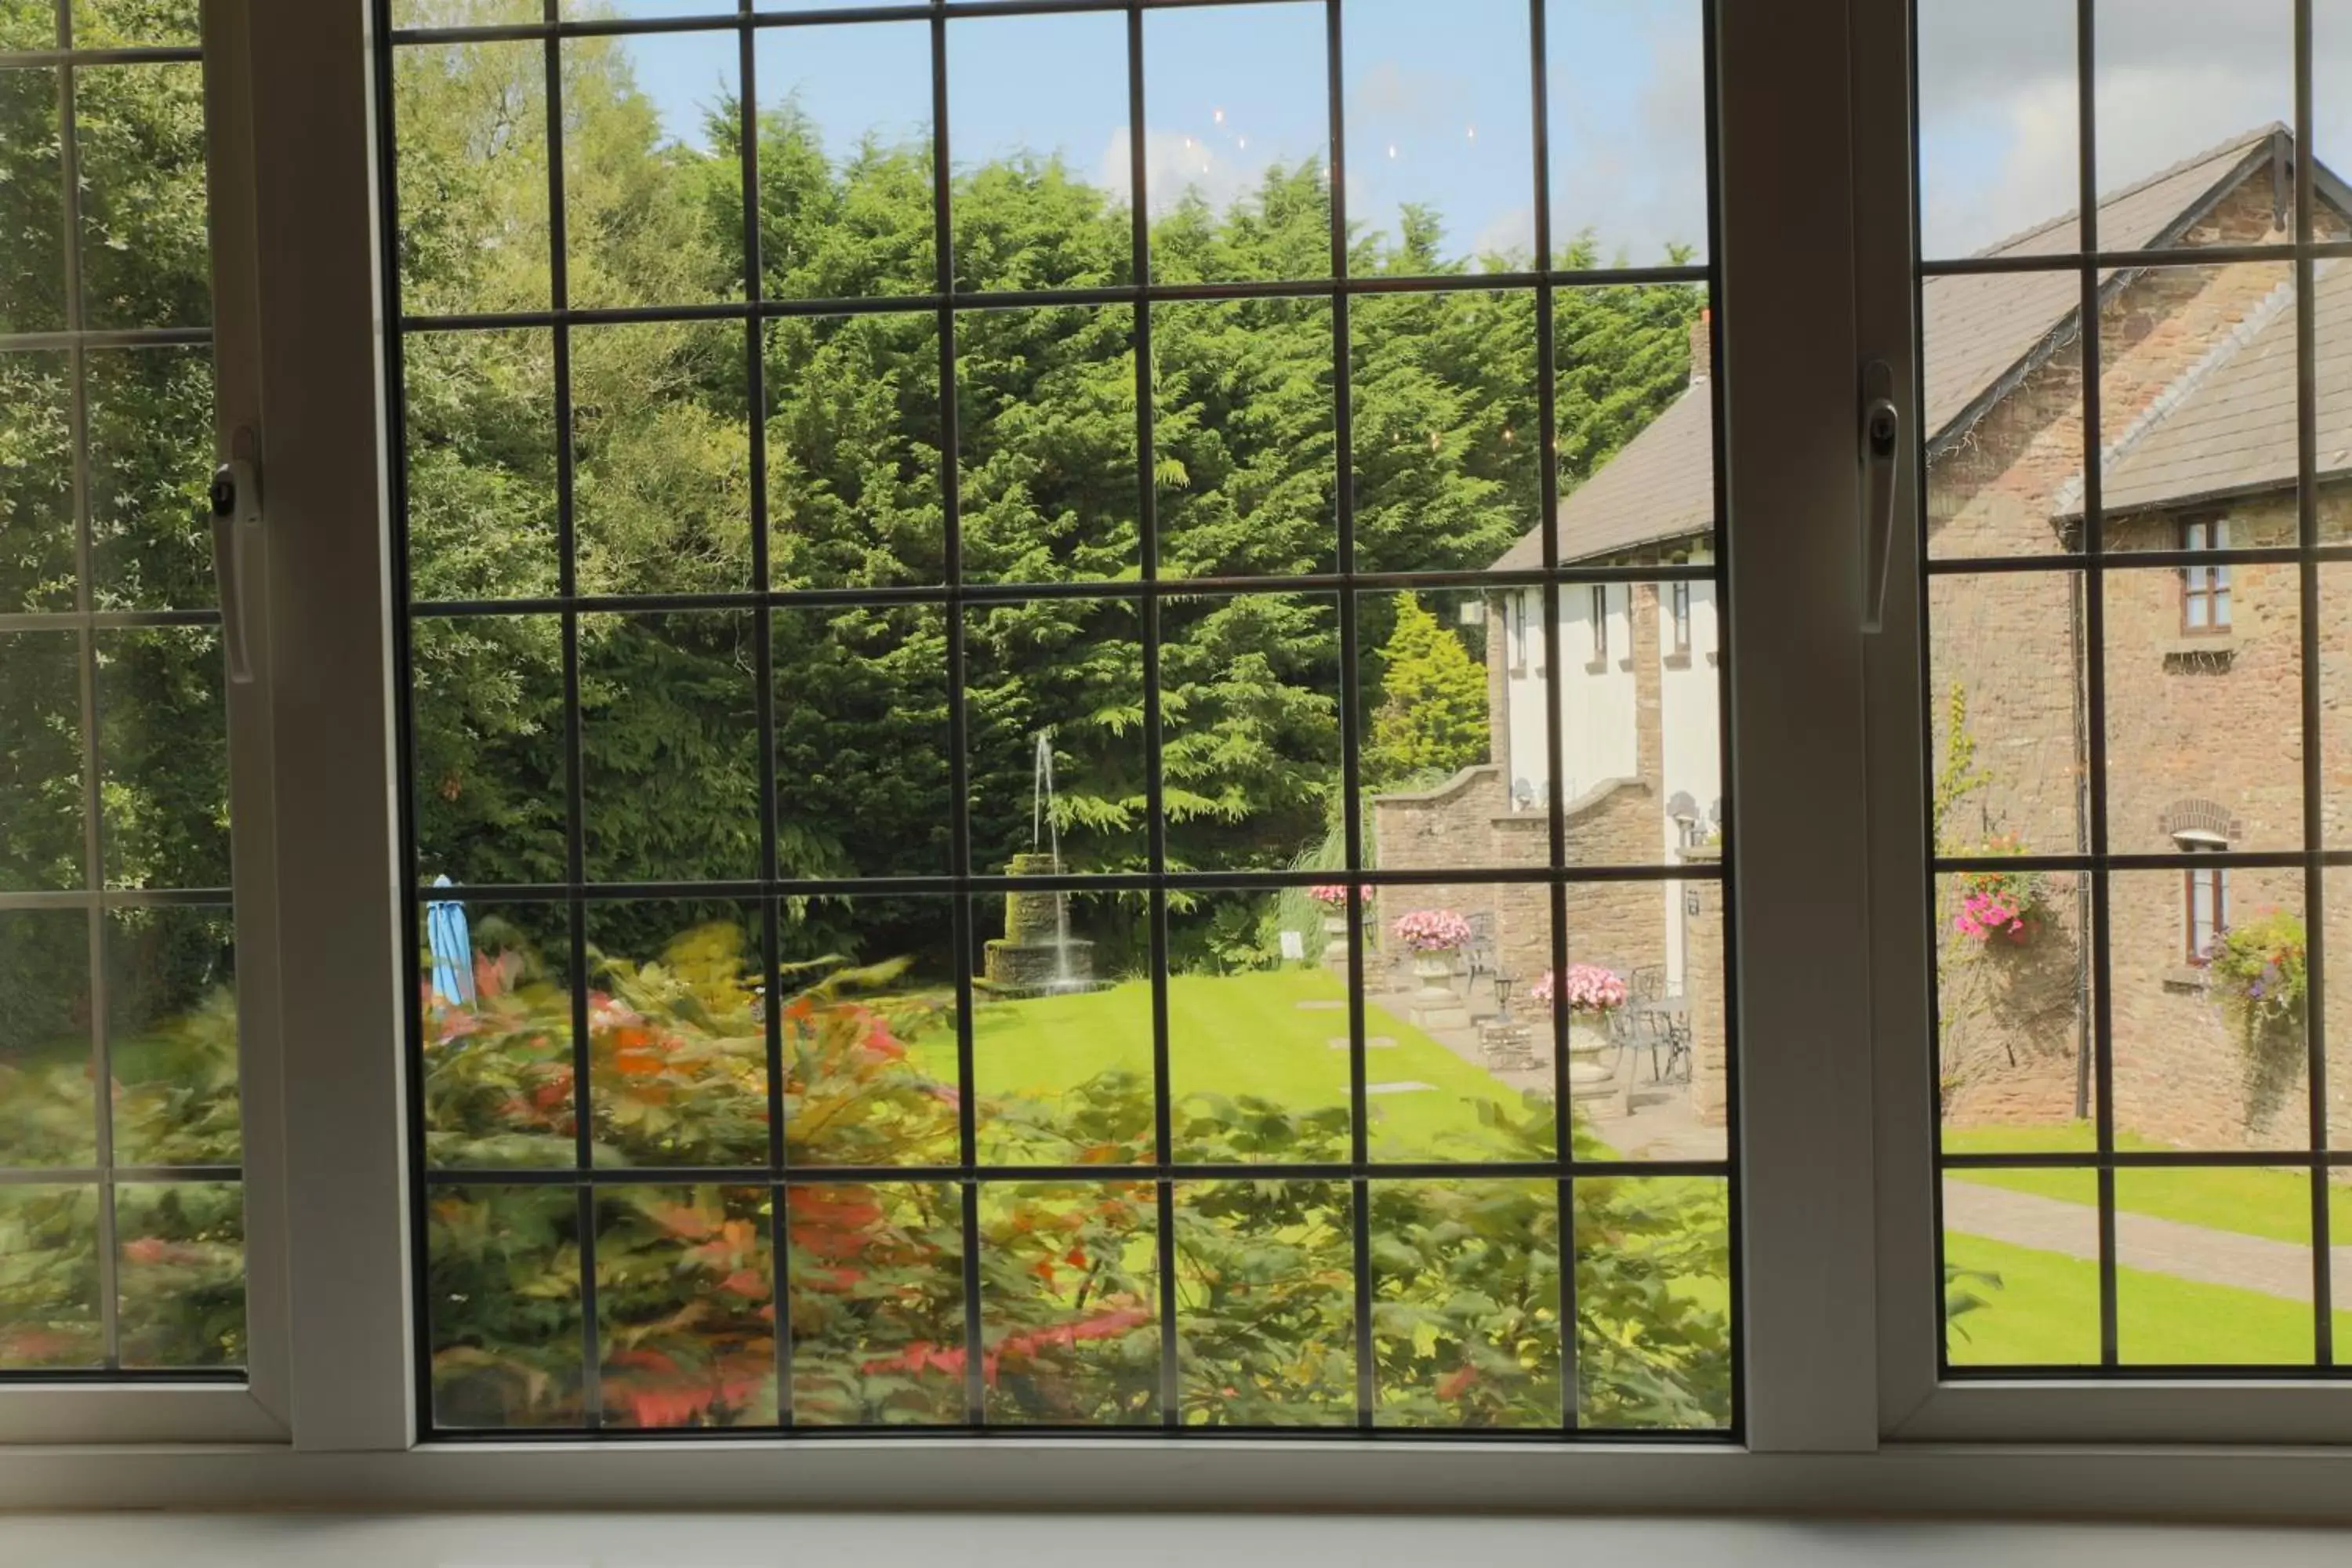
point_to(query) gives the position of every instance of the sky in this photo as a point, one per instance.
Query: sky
(1438, 102)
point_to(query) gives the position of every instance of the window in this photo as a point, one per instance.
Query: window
(965, 861)
(122, 1154)
(2135, 940)
(2208, 910)
(2205, 590)
(861, 851)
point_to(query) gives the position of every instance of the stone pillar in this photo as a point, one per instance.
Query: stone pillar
(1499, 610)
(1649, 682)
(1704, 991)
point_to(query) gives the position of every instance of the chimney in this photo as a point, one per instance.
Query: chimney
(1702, 345)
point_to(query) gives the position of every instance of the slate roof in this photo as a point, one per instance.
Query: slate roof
(1980, 331)
(2228, 428)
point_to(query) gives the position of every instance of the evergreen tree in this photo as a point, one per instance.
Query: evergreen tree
(1433, 718)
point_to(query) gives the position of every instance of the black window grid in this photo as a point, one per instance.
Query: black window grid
(76, 339)
(1151, 592)
(2102, 273)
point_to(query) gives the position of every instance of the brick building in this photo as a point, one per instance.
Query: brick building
(2203, 668)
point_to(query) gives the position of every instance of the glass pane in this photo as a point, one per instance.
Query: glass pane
(485, 714)
(163, 757)
(37, 570)
(1062, 1052)
(1466, 1303)
(854, 436)
(112, 24)
(2188, 1293)
(1237, 146)
(479, 417)
(472, 133)
(499, 1092)
(1038, 120)
(1647, 1011)
(876, 1305)
(1045, 407)
(2022, 1268)
(28, 24)
(678, 1045)
(32, 175)
(502, 1290)
(1250, 694)
(1069, 1304)
(1628, 99)
(1244, 437)
(146, 258)
(2209, 1046)
(2003, 380)
(41, 779)
(2017, 1069)
(871, 1070)
(151, 459)
(1448, 471)
(1449, 780)
(670, 747)
(50, 1288)
(1998, 153)
(171, 1020)
(845, 162)
(1054, 701)
(183, 1275)
(1459, 967)
(1441, 154)
(686, 1317)
(662, 448)
(2006, 689)
(653, 128)
(1652, 1303)
(1266, 1326)
(465, 12)
(2185, 769)
(47, 1113)
(1632, 371)
(2182, 84)
(862, 742)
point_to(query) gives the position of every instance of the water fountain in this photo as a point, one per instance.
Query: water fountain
(1037, 955)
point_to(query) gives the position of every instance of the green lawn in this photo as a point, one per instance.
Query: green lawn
(2045, 1312)
(2253, 1202)
(1235, 1034)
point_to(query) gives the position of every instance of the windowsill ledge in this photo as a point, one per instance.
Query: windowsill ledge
(1678, 661)
(1596, 667)
(2211, 650)
(2186, 977)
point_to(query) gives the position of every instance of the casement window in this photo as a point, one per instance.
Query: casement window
(2205, 590)
(834, 785)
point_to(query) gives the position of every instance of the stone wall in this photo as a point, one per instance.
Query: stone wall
(1706, 994)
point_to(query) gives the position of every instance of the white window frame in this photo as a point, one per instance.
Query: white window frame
(1827, 857)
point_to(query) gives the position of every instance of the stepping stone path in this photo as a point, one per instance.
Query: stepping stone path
(1407, 1088)
(1323, 1004)
(1375, 1042)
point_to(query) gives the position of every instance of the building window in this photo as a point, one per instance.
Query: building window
(1681, 619)
(1600, 623)
(2205, 590)
(1515, 625)
(2207, 915)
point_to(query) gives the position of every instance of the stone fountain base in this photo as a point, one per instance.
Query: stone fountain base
(1032, 958)
(1033, 969)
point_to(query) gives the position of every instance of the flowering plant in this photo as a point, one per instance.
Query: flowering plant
(2261, 968)
(1331, 895)
(1432, 931)
(1591, 989)
(2004, 905)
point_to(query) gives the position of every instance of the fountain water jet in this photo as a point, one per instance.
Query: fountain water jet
(1037, 955)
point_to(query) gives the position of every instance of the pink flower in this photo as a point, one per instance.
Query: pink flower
(1432, 931)
(1591, 989)
(1333, 895)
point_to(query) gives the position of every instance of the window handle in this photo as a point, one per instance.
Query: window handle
(1882, 433)
(237, 526)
